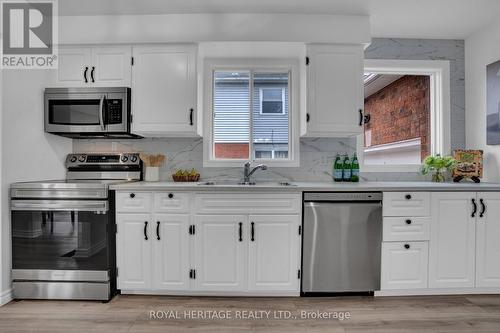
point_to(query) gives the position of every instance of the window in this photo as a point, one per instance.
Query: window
(272, 100)
(406, 114)
(251, 113)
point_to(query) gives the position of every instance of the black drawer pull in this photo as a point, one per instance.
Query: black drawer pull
(146, 230)
(252, 232)
(132, 195)
(408, 221)
(158, 230)
(191, 117)
(483, 208)
(92, 74)
(474, 208)
(240, 232)
(408, 197)
(170, 195)
(407, 246)
(85, 75)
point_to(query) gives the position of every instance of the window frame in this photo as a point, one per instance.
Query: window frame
(291, 65)
(261, 99)
(439, 76)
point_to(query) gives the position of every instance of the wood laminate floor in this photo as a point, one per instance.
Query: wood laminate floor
(479, 313)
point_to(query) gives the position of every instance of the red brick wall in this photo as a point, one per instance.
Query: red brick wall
(401, 111)
(231, 150)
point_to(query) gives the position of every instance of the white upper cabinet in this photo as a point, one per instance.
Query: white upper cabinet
(487, 243)
(334, 90)
(452, 241)
(164, 90)
(85, 66)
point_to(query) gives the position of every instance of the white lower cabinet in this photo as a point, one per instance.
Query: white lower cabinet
(404, 265)
(273, 252)
(452, 245)
(211, 251)
(170, 252)
(133, 252)
(220, 252)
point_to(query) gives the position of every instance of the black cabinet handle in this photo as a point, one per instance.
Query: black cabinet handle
(132, 195)
(252, 232)
(474, 208)
(158, 230)
(191, 117)
(240, 232)
(483, 208)
(408, 221)
(307, 117)
(85, 74)
(170, 195)
(361, 117)
(146, 230)
(407, 246)
(408, 197)
(92, 74)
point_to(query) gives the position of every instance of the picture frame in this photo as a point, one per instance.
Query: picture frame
(469, 165)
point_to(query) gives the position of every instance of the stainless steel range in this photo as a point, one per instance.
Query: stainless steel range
(63, 231)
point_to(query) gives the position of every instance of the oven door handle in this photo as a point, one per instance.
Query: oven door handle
(101, 112)
(60, 205)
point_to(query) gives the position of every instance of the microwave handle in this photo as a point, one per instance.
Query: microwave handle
(101, 112)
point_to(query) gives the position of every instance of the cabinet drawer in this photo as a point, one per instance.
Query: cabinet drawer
(406, 204)
(406, 228)
(171, 202)
(404, 265)
(244, 203)
(134, 202)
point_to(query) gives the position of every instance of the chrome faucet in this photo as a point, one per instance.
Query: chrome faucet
(247, 172)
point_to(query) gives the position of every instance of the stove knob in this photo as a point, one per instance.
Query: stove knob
(124, 158)
(72, 159)
(133, 158)
(81, 158)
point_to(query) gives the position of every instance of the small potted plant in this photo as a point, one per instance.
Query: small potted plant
(438, 165)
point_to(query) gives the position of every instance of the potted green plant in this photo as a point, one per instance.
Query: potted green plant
(438, 165)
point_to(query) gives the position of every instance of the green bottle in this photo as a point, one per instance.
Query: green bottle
(354, 169)
(337, 169)
(346, 167)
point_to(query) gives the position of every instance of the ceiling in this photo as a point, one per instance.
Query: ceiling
(389, 18)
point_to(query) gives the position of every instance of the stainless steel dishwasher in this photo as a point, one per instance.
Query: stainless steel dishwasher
(341, 244)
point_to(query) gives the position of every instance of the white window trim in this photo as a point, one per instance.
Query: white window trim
(439, 72)
(267, 65)
(261, 99)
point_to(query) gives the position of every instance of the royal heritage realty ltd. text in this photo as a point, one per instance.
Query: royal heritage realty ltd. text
(247, 315)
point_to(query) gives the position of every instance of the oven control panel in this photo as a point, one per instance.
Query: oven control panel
(74, 160)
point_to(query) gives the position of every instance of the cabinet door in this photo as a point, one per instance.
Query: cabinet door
(452, 241)
(171, 252)
(220, 253)
(273, 252)
(404, 265)
(133, 251)
(111, 66)
(73, 61)
(164, 90)
(487, 240)
(335, 90)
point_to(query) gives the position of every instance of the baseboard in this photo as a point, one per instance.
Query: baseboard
(211, 293)
(442, 291)
(6, 296)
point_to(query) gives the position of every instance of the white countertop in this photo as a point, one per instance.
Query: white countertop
(309, 186)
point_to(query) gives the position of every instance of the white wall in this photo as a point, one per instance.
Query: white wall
(481, 49)
(27, 152)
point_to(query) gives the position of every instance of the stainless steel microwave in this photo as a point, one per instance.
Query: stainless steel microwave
(88, 112)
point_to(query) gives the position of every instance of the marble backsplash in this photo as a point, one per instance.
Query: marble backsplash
(316, 159)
